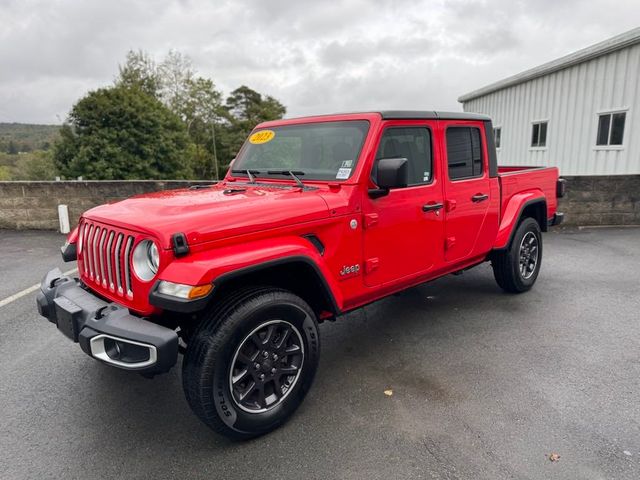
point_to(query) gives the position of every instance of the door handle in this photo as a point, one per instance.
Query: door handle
(479, 197)
(430, 207)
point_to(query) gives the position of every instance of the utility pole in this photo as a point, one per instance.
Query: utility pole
(215, 155)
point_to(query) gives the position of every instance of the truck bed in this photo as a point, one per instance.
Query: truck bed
(517, 180)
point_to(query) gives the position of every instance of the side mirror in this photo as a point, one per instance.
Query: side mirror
(391, 173)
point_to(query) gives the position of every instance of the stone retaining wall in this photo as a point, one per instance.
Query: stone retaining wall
(602, 200)
(34, 205)
(590, 200)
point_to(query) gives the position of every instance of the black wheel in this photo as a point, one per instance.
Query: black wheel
(516, 268)
(251, 362)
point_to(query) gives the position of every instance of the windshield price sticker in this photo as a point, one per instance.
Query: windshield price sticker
(263, 136)
(343, 173)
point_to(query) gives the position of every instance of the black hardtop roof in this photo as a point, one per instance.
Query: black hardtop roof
(398, 115)
(431, 115)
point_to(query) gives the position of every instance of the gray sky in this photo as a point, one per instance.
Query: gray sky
(314, 56)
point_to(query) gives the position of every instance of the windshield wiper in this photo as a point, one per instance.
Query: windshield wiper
(292, 173)
(249, 174)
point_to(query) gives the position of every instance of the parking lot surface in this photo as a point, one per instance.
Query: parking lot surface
(484, 384)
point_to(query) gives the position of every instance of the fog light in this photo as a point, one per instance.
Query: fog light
(187, 292)
(125, 352)
(112, 347)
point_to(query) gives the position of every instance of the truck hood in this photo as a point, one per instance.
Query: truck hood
(212, 213)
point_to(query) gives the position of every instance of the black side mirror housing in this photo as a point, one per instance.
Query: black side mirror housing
(391, 173)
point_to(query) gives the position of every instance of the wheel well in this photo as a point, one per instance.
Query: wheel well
(297, 276)
(538, 211)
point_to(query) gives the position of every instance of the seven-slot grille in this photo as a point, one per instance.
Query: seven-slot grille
(106, 257)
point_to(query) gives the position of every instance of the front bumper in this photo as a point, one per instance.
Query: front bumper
(106, 331)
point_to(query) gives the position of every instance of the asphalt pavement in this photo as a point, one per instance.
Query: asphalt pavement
(485, 385)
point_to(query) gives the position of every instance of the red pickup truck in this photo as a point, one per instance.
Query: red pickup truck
(316, 217)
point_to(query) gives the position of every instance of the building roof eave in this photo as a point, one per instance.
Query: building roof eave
(613, 44)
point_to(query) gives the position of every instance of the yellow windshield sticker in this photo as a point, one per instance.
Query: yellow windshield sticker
(263, 136)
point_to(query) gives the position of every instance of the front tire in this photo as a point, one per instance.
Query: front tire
(251, 362)
(516, 268)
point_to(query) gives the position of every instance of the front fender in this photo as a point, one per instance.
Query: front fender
(208, 266)
(73, 235)
(511, 215)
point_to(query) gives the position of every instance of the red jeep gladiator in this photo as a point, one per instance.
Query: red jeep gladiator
(316, 217)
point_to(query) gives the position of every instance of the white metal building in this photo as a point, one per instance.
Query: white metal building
(580, 112)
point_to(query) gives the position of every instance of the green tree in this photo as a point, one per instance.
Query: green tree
(247, 105)
(202, 110)
(167, 81)
(176, 75)
(122, 132)
(245, 109)
(140, 71)
(216, 130)
(37, 165)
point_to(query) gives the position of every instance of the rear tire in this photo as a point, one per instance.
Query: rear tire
(251, 362)
(517, 267)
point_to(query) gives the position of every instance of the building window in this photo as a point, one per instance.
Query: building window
(611, 128)
(497, 135)
(539, 134)
(464, 152)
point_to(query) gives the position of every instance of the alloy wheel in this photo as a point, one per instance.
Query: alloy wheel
(529, 253)
(266, 366)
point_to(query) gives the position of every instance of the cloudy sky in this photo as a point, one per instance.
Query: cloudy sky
(314, 56)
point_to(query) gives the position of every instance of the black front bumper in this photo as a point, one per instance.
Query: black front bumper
(106, 331)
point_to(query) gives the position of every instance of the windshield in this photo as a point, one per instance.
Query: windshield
(315, 151)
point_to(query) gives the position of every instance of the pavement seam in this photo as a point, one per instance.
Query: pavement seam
(27, 291)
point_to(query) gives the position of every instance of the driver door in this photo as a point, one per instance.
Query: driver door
(404, 230)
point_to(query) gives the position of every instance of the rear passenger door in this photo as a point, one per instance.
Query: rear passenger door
(467, 189)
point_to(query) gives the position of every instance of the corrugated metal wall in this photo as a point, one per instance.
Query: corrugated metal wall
(570, 100)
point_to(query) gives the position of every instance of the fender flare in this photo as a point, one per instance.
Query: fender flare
(512, 215)
(328, 292)
(221, 265)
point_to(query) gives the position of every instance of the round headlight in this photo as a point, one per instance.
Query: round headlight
(154, 257)
(146, 260)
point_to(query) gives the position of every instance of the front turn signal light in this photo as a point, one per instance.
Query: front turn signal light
(186, 292)
(200, 291)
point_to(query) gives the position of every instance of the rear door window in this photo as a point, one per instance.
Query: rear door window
(464, 152)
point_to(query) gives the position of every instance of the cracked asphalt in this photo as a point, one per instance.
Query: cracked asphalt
(485, 385)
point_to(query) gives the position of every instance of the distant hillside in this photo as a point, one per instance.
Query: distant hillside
(25, 137)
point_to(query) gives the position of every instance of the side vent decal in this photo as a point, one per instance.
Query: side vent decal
(315, 241)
